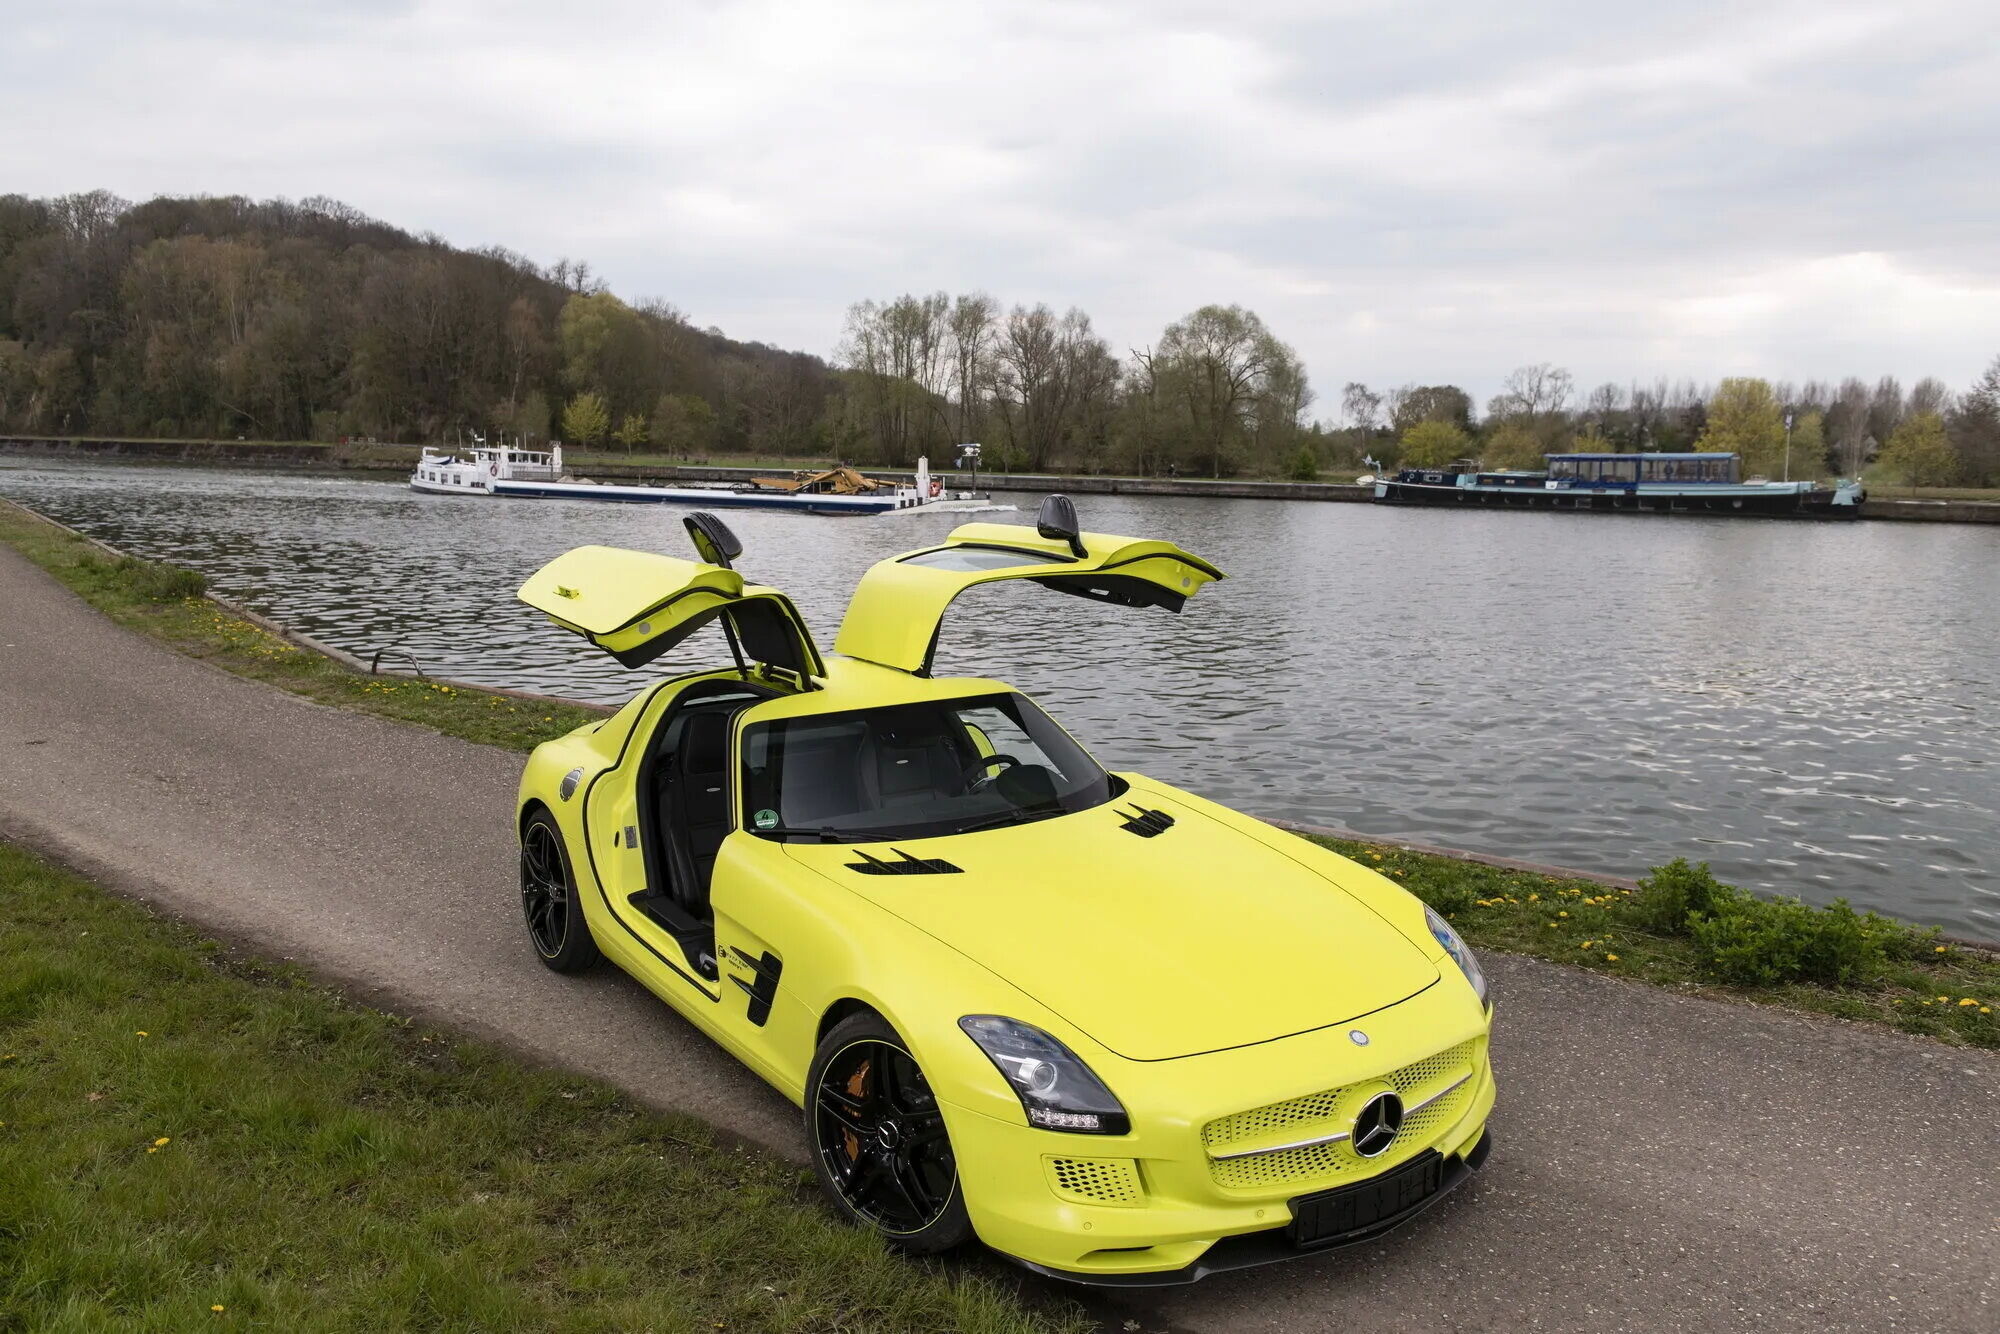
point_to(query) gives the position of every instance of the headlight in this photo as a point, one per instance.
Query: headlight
(1057, 1091)
(1459, 951)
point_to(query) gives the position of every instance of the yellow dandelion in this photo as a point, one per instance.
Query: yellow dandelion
(217, 1309)
(1612, 957)
(1551, 923)
(1985, 1009)
(1940, 949)
(163, 1141)
(1586, 944)
(1967, 1001)
(1562, 913)
(1533, 897)
(1944, 1000)
(142, 1033)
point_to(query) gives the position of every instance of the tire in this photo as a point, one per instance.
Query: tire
(879, 1144)
(549, 901)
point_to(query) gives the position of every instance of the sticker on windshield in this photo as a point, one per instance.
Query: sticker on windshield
(765, 819)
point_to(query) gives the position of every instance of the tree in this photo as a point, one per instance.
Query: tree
(1533, 392)
(683, 425)
(1920, 453)
(1304, 466)
(1808, 448)
(586, 421)
(1431, 444)
(632, 431)
(1362, 408)
(1744, 419)
(1220, 364)
(1431, 403)
(1974, 424)
(1513, 445)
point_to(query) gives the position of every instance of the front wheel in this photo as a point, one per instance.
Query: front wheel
(549, 901)
(879, 1143)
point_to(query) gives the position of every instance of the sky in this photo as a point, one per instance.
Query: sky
(1406, 192)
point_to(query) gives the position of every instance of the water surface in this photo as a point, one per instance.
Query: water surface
(1811, 708)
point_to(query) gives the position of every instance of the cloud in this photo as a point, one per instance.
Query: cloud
(1405, 192)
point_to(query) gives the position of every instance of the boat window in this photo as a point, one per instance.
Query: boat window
(914, 771)
(978, 558)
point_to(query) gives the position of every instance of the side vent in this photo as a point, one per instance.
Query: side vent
(908, 866)
(1145, 823)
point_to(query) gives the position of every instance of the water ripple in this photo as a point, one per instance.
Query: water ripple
(1811, 708)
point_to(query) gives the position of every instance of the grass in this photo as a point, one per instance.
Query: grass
(1918, 984)
(166, 603)
(190, 1139)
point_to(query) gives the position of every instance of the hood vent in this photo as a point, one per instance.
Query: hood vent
(1145, 823)
(908, 866)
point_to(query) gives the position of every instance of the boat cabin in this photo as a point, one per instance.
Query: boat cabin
(1611, 469)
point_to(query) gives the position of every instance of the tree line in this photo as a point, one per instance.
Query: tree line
(226, 317)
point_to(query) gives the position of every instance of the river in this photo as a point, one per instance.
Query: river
(1814, 709)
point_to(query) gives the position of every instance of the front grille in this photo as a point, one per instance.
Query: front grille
(1329, 1112)
(1096, 1180)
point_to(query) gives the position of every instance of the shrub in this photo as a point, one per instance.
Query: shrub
(1742, 939)
(1676, 893)
(1304, 466)
(156, 581)
(1764, 942)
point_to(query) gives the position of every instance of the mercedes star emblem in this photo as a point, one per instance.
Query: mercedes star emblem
(1377, 1125)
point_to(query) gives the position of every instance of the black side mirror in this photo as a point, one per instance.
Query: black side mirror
(713, 541)
(1057, 518)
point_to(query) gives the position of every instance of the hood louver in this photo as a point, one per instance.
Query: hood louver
(908, 866)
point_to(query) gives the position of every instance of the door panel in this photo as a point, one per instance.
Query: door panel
(894, 616)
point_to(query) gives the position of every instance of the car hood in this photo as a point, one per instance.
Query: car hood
(1195, 939)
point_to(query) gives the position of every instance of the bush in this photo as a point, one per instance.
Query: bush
(1677, 892)
(1764, 942)
(156, 581)
(1742, 939)
(1304, 466)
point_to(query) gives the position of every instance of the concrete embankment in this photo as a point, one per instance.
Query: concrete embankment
(373, 458)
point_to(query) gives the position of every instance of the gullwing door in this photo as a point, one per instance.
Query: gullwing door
(894, 616)
(635, 605)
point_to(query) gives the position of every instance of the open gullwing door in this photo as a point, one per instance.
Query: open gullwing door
(635, 605)
(894, 617)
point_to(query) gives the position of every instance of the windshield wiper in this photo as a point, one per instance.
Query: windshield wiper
(824, 834)
(1003, 819)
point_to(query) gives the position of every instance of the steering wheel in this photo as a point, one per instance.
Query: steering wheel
(975, 775)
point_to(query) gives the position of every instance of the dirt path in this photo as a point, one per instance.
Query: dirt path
(1662, 1162)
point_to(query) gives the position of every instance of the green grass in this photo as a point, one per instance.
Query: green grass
(1919, 985)
(184, 1128)
(166, 602)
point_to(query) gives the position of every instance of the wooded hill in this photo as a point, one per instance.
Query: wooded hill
(229, 318)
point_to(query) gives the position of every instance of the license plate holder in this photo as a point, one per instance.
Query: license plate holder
(1332, 1215)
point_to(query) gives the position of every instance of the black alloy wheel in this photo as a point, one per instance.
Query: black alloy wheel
(879, 1141)
(548, 899)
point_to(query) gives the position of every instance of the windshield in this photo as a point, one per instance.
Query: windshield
(914, 771)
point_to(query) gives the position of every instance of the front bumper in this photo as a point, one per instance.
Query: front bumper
(1171, 1222)
(1251, 1249)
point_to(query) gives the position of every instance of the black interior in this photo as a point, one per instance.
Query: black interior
(684, 811)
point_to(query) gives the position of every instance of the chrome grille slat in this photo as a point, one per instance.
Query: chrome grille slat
(1436, 1091)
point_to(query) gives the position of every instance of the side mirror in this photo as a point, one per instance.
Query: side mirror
(1057, 519)
(713, 541)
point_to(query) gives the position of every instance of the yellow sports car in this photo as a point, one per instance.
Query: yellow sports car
(1116, 1032)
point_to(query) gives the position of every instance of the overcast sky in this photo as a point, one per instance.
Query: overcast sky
(1405, 191)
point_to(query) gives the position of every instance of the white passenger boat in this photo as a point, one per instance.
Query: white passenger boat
(523, 474)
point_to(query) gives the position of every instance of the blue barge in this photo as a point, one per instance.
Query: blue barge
(1702, 483)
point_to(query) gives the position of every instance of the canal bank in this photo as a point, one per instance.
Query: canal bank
(393, 460)
(314, 834)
